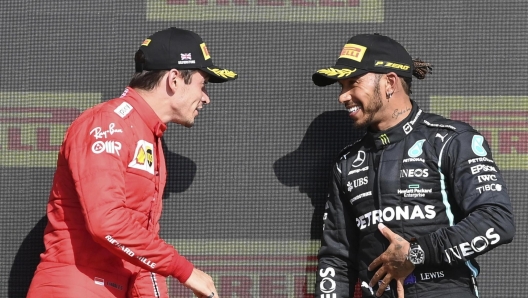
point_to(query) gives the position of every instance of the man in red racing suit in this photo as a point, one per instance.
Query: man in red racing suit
(105, 204)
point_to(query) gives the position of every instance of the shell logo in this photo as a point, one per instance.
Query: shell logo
(143, 157)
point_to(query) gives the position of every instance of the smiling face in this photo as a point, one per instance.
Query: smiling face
(189, 98)
(362, 98)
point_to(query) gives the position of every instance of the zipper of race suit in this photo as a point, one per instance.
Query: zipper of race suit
(378, 190)
(378, 186)
(154, 199)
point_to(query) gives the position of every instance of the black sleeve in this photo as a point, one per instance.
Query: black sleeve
(336, 271)
(476, 185)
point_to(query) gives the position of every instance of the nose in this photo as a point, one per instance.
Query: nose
(344, 97)
(205, 97)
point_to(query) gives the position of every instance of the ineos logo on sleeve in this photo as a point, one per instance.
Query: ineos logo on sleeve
(327, 284)
(332, 285)
(359, 159)
(329, 289)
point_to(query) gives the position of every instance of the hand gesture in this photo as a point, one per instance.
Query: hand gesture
(201, 284)
(393, 263)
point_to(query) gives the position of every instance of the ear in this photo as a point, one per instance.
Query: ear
(173, 79)
(174, 74)
(391, 84)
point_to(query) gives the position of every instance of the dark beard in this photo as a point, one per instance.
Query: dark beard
(373, 107)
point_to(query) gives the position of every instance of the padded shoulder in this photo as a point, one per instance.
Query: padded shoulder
(440, 122)
(349, 149)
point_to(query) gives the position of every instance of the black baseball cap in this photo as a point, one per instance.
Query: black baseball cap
(175, 48)
(365, 53)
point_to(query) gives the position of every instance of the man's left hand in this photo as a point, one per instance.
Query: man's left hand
(393, 263)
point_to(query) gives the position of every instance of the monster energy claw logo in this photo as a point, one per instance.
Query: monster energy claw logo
(384, 139)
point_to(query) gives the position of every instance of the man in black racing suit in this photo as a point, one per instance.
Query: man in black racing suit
(414, 201)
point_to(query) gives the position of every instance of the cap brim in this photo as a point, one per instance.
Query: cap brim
(219, 75)
(328, 76)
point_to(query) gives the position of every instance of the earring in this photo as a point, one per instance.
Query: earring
(389, 95)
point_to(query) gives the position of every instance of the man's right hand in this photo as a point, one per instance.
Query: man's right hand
(201, 284)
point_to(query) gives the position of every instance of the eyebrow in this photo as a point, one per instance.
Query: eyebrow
(349, 80)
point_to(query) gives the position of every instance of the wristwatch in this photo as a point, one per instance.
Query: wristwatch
(416, 254)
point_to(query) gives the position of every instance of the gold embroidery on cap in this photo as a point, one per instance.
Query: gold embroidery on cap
(224, 73)
(332, 72)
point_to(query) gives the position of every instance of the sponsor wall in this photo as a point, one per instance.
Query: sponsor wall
(247, 184)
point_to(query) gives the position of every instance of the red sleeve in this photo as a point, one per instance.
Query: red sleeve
(98, 167)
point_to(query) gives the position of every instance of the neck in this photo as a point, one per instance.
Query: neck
(156, 101)
(393, 112)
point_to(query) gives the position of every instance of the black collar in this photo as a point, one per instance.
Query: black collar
(396, 133)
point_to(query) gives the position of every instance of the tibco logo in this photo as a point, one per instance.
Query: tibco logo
(327, 284)
(489, 187)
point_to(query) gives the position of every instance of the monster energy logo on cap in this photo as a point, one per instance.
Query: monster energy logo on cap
(384, 139)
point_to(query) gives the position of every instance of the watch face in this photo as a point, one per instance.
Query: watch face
(416, 256)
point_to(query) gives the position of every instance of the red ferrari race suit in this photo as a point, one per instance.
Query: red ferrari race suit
(104, 208)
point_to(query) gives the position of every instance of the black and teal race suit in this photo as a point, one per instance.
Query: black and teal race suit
(428, 178)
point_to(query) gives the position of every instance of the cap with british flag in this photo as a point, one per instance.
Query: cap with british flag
(175, 48)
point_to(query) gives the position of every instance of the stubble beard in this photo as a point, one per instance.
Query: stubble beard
(370, 111)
